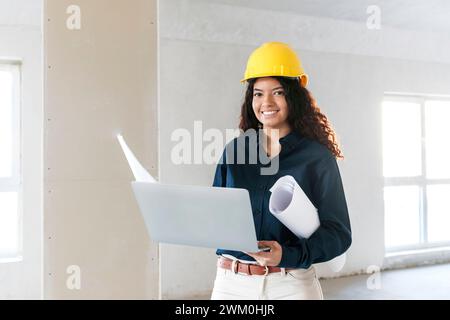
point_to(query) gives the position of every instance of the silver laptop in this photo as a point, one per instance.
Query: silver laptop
(210, 217)
(193, 215)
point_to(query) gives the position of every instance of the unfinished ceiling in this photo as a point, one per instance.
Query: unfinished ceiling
(420, 15)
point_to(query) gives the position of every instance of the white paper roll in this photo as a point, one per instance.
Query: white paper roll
(337, 263)
(289, 204)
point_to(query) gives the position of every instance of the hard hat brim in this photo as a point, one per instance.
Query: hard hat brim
(303, 78)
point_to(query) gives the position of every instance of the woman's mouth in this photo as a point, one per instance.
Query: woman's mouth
(269, 114)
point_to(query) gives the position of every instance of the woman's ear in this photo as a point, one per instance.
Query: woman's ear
(303, 80)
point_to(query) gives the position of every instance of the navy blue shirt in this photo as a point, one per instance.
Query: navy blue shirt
(316, 171)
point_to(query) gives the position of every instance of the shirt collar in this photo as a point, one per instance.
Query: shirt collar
(291, 139)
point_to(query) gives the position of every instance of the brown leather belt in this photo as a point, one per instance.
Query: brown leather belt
(247, 268)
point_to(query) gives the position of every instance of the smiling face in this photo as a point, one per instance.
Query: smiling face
(269, 104)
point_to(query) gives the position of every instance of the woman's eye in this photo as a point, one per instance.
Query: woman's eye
(257, 94)
(279, 92)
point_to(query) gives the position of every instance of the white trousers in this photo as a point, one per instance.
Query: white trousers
(298, 284)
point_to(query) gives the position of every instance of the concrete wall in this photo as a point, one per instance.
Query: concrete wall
(21, 40)
(204, 48)
(99, 80)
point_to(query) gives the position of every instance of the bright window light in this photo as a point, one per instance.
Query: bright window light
(9, 224)
(401, 139)
(437, 121)
(402, 216)
(6, 120)
(438, 213)
(10, 173)
(416, 168)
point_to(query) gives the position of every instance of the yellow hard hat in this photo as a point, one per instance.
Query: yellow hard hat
(275, 59)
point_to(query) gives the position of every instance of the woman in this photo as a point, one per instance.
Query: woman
(305, 147)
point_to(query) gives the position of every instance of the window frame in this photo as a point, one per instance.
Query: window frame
(421, 181)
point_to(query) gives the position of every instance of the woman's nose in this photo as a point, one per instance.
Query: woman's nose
(267, 100)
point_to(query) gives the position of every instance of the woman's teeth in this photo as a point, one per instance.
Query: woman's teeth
(269, 113)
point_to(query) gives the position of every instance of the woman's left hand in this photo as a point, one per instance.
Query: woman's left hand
(268, 258)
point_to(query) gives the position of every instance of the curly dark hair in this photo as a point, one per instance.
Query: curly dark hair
(304, 114)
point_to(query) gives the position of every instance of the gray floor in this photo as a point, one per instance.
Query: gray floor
(428, 282)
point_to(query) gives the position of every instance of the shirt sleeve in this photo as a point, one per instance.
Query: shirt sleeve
(333, 237)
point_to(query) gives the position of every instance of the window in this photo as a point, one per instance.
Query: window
(10, 171)
(416, 169)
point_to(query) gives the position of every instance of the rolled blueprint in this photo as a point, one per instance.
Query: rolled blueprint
(289, 204)
(139, 172)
